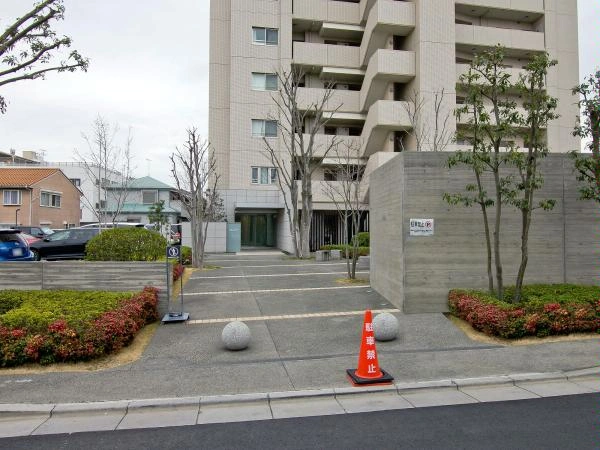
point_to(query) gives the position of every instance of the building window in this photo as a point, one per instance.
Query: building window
(265, 36)
(264, 175)
(50, 199)
(76, 182)
(149, 197)
(264, 81)
(264, 128)
(12, 198)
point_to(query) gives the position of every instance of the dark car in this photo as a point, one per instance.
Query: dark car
(40, 231)
(13, 247)
(64, 244)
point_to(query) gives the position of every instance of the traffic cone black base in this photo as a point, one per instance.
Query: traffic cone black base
(385, 378)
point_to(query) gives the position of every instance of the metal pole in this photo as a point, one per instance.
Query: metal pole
(181, 282)
(168, 288)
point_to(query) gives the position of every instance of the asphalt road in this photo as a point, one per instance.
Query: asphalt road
(570, 422)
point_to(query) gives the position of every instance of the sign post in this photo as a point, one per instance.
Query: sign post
(174, 251)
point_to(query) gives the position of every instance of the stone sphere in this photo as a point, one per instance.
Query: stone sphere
(385, 327)
(236, 336)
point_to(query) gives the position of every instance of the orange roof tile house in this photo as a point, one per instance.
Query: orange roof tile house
(38, 196)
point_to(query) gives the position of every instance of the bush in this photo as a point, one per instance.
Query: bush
(126, 244)
(362, 251)
(186, 255)
(62, 340)
(177, 271)
(363, 239)
(545, 310)
(35, 310)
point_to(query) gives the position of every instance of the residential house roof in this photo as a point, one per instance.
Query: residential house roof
(23, 177)
(139, 208)
(143, 183)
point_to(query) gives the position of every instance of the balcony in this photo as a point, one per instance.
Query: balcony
(326, 11)
(323, 141)
(384, 116)
(463, 69)
(320, 190)
(321, 55)
(517, 42)
(340, 100)
(386, 17)
(525, 11)
(384, 67)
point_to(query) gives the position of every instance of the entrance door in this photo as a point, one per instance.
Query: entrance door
(257, 230)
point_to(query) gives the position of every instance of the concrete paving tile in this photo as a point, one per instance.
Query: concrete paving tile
(497, 393)
(553, 388)
(76, 422)
(163, 416)
(592, 383)
(22, 425)
(437, 397)
(379, 401)
(319, 406)
(236, 412)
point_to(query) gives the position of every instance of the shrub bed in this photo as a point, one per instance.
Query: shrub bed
(76, 337)
(362, 251)
(545, 310)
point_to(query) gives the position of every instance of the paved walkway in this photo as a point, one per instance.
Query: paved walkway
(305, 333)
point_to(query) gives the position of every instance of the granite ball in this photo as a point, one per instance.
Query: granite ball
(236, 336)
(385, 327)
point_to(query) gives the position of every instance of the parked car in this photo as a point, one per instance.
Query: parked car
(13, 247)
(40, 231)
(64, 244)
(29, 238)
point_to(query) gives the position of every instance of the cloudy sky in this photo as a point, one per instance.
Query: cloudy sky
(148, 71)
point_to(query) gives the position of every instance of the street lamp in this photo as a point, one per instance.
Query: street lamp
(17, 217)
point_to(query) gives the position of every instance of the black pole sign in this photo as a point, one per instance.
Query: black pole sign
(174, 251)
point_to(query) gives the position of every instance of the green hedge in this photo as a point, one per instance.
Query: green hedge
(545, 310)
(75, 335)
(362, 251)
(126, 244)
(35, 310)
(363, 239)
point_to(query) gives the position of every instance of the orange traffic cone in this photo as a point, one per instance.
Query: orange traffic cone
(368, 371)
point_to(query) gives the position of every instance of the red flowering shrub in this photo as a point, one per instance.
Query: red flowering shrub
(177, 271)
(535, 318)
(108, 333)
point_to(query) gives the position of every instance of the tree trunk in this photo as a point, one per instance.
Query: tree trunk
(497, 259)
(306, 218)
(196, 257)
(486, 227)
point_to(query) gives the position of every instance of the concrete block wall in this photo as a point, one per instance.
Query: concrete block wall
(416, 273)
(86, 276)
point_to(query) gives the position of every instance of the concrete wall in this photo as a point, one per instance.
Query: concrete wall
(216, 239)
(415, 273)
(86, 276)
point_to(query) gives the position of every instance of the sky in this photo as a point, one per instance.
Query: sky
(148, 73)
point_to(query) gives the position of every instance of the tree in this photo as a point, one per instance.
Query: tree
(588, 168)
(345, 194)
(157, 216)
(301, 155)
(493, 120)
(109, 167)
(194, 169)
(28, 46)
(421, 130)
(539, 111)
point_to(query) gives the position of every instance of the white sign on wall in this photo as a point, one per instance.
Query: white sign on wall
(421, 227)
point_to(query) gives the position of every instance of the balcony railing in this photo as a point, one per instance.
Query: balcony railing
(485, 37)
(340, 100)
(327, 11)
(311, 54)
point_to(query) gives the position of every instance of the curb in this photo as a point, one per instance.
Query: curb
(124, 406)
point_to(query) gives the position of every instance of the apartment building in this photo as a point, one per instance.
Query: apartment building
(379, 54)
